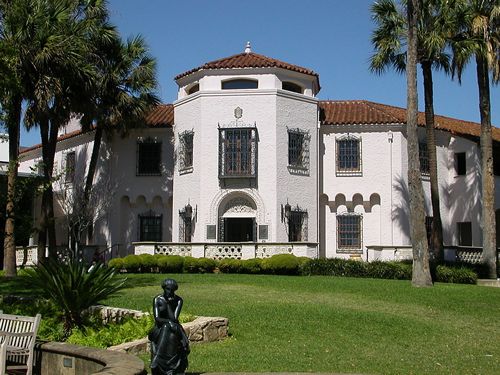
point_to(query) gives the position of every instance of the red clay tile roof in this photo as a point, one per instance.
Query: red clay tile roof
(347, 112)
(249, 60)
(162, 116)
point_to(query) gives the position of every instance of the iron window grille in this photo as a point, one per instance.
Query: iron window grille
(237, 152)
(148, 157)
(70, 167)
(349, 232)
(185, 228)
(150, 227)
(348, 156)
(423, 156)
(297, 225)
(186, 150)
(298, 149)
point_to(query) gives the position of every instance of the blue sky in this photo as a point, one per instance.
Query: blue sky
(331, 37)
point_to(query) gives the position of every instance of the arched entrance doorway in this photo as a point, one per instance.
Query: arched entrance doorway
(237, 220)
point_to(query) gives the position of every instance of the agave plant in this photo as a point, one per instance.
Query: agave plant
(73, 289)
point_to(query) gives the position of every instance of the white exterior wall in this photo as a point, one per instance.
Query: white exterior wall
(298, 188)
(131, 195)
(376, 194)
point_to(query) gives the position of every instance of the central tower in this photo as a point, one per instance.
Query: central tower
(246, 165)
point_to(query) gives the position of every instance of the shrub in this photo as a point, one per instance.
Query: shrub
(116, 263)
(455, 274)
(199, 265)
(148, 262)
(335, 267)
(389, 270)
(281, 264)
(230, 266)
(251, 266)
(132, 263)
(71, 288)
(170, 263)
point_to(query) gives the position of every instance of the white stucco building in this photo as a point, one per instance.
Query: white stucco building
(248, 162)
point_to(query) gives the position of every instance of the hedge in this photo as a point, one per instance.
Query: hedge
(288, 264)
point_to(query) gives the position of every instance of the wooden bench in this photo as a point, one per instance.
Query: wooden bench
(17, 342)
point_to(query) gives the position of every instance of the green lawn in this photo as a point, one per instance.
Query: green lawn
(327, 324)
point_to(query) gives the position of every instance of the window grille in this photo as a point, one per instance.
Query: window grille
(423, 155)
(150, 227)
(148, 157)
(349, 156)
(349, 232)
(237, 152)
(70, 167)
(298, 149)
(297, 225)
(185, 228)
(186, 150)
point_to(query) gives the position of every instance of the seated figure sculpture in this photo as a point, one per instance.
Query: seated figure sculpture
(169, 343)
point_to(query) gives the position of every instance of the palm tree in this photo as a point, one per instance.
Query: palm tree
(389, 41)
(421, 276)
(60, 45)
(120, 96)
(478, 36)
(11, 97)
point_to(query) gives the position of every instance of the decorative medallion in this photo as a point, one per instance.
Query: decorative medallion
(238, 112)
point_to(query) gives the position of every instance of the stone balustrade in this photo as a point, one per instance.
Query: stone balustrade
(228, 250)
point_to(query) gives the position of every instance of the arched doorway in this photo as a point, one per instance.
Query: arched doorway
(237, 220)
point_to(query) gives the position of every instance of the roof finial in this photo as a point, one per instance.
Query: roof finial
(248, 49)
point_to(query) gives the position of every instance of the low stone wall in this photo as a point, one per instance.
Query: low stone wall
(115, 314)
(66, 359)
(202, 329)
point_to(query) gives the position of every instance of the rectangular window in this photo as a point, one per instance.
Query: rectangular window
(70, 167)
(349, 232)
(186, 150)
(148, 157)
(428, 227)
(349, 156)
(297, 225)
(185, 228)
(460, 164)
(423, 156)
(237, 152)
(298, 149)
(150, 227)
(464, 232)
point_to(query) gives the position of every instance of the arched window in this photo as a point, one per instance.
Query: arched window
(290, 86)
(240, 83)
(193, 89)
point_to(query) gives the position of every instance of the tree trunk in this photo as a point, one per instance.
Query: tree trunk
(488, 180)
(13, 124)
(421, 276)
(436, 243)
(89, 182)
(48, 133)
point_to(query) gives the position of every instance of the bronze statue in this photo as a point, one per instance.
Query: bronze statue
(169, 343)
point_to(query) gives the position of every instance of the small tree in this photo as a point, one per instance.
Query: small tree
(79, 216)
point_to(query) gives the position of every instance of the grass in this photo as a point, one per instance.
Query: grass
(329, 324)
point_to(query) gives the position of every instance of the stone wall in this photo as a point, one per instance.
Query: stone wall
(202, 329)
